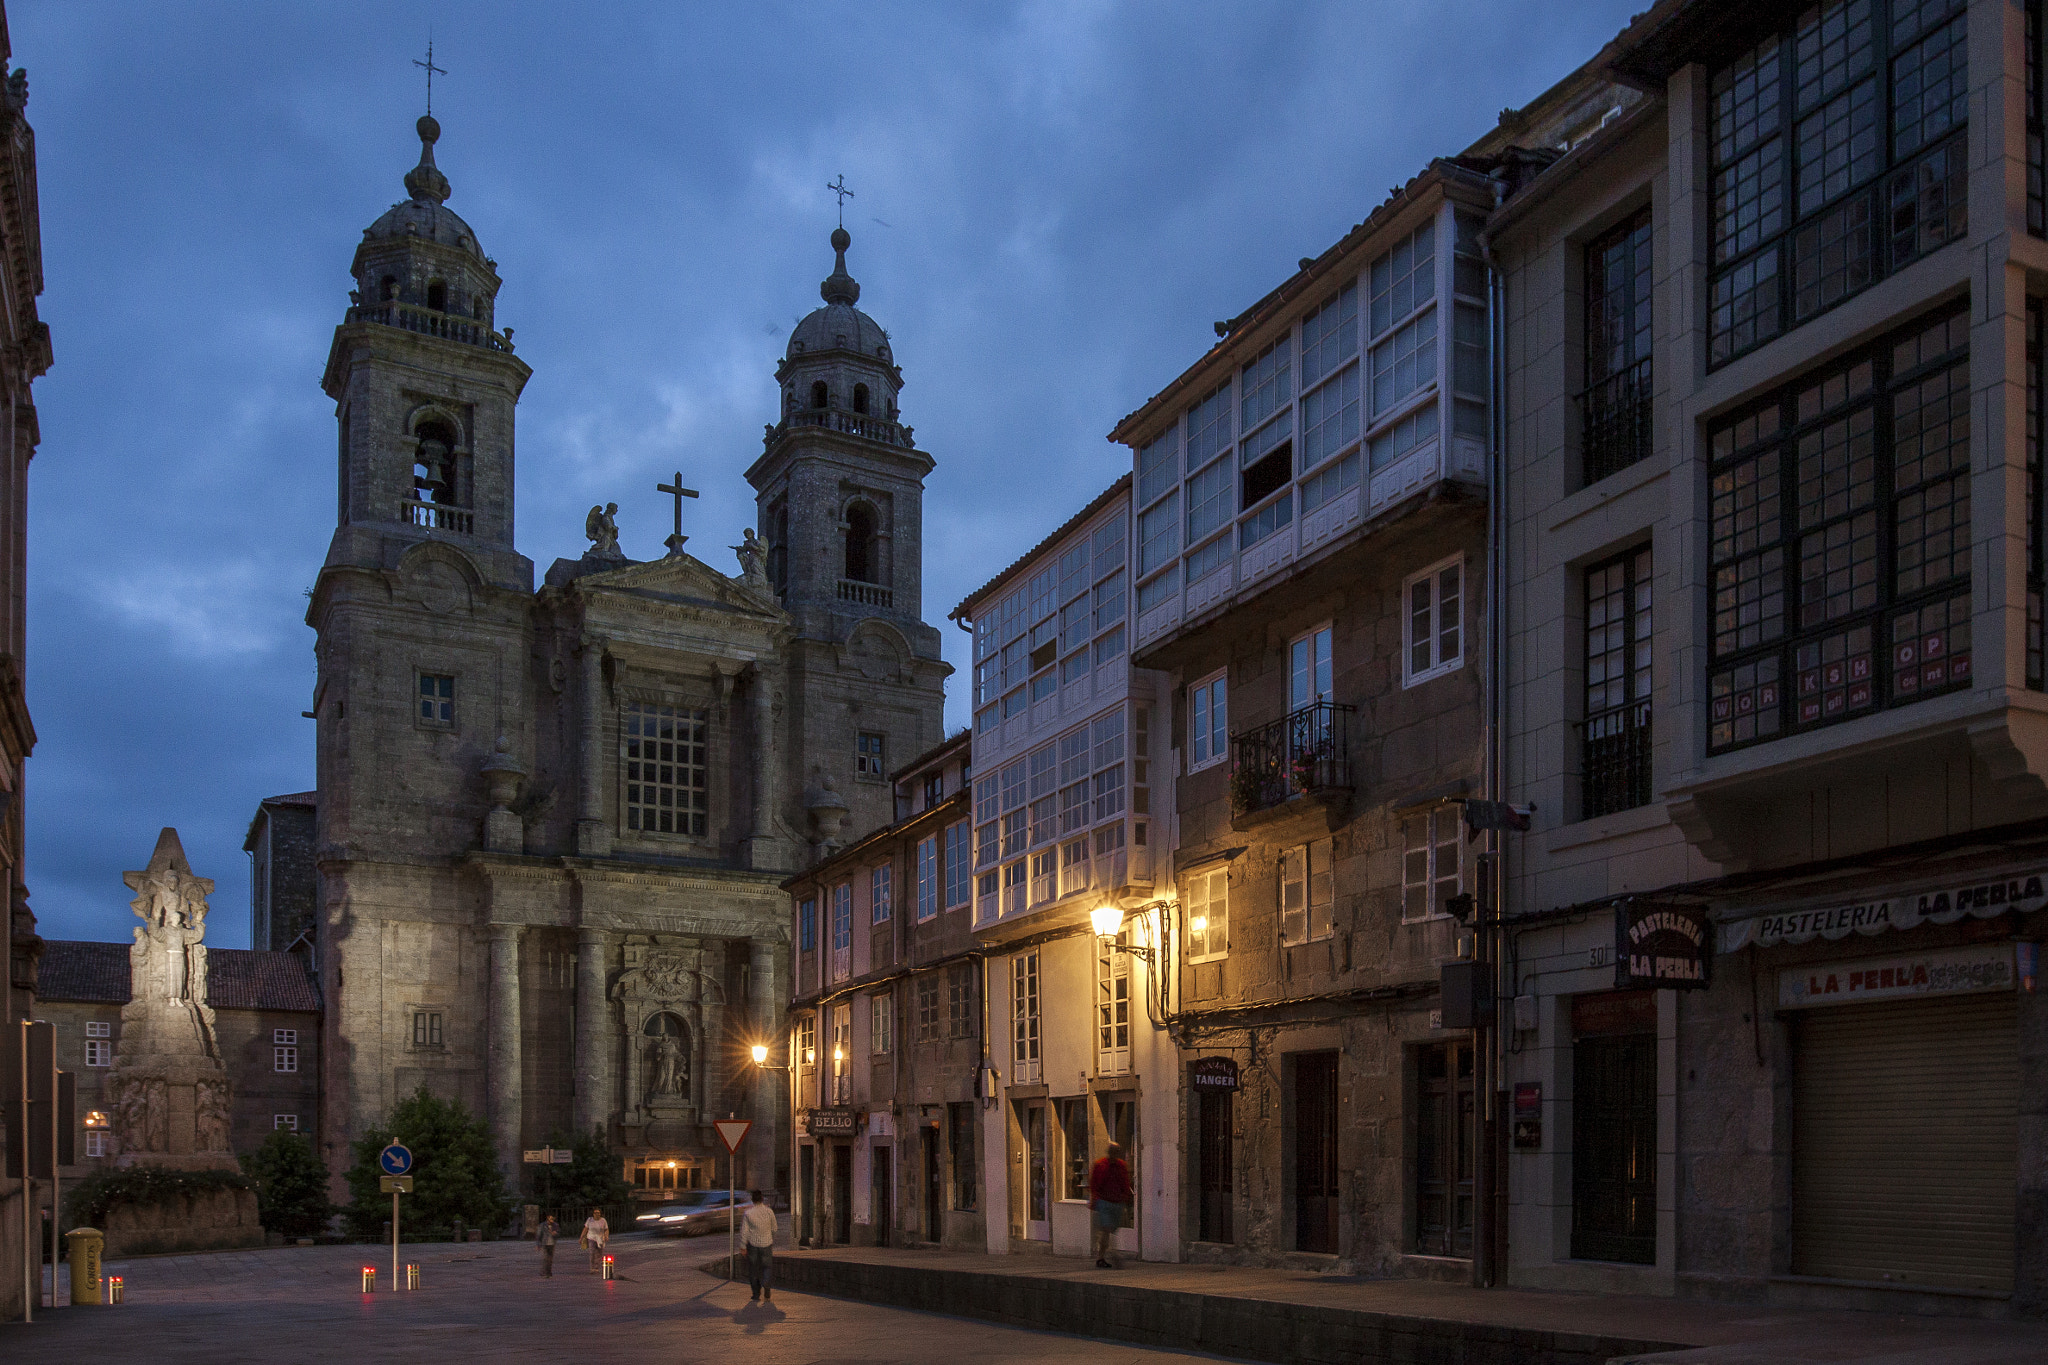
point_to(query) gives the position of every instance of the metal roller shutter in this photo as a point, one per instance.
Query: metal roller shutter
(1905, 1137)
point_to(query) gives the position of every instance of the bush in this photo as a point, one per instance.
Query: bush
(87, 1202)
(591, 1181)
(455, 1172)
(291, 1185)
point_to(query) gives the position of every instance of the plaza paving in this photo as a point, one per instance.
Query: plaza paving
(487, 1301)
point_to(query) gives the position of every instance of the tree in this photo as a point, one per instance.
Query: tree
(291, 1185)
(455, 1172)
(592, 1180)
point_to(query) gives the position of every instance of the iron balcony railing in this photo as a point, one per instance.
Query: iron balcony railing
(849, 423)
(1303, 751)
(1615, 758)
(1617, 421)
(431, 322)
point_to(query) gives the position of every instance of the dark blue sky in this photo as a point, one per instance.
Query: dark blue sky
(1055, 201)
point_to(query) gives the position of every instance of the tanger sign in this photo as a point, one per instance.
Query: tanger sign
(1944, 903)
(1662, 946)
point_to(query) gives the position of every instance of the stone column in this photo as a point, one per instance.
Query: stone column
(593, 835)
(506, 1108)
(765, 1140)
(594, 1041)
(762, 846)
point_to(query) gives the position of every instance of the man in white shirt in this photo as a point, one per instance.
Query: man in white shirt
(757, 1235)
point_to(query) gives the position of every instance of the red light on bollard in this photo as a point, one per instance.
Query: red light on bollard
(607, 1267)
(412, 1276)
(369, 1279)
(114, 1289)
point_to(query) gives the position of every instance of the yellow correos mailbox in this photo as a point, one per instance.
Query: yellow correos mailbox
(83, 1251)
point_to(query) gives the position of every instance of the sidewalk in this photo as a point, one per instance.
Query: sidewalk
(1290, 1315)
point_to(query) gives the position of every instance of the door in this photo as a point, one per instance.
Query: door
(1315, 1152)
(842, 1193)
(884, 1173)
(1905, 1142)
(934, 1186)
(807, 1197)
(1120, 1121)
(1614, 1148)
(1213, 1196)
(1037, 1173)
(1443, 1150)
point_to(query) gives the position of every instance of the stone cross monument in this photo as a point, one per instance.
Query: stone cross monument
(168, 1086)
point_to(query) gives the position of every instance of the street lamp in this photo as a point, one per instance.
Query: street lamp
(1107, 920)
(759, 1053)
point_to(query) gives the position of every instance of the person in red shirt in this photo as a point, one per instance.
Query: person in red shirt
(1109, 1195)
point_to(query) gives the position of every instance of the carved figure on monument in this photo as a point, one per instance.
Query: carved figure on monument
(156, 1127)
(131, 1117)
(602, 530)
(210, 1124)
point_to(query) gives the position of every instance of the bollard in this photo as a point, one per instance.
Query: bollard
(412, 1276)
(607, 1267)
(113, 1289)
(83, 1251)
(369, 1279)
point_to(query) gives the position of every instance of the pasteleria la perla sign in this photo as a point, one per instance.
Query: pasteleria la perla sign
(1927, 903)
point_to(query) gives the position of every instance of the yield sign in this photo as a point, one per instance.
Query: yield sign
(731, 1131)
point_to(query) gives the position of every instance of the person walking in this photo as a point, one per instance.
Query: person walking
(757, 1235)
(596, 1232)
(545, 1239)
(1109, 1197)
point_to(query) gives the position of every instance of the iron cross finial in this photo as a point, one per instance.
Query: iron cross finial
(431, 71)
(678, 492)
(838, 187)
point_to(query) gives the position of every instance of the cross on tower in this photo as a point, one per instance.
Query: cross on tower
(431, 71)
(838, 187)
(678, 492)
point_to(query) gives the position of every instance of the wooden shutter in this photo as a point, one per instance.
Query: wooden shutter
(1905, 1143)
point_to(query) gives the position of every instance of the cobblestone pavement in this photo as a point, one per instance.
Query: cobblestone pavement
(487, 1301)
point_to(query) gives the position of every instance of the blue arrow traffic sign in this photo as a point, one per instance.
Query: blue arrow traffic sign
(395, 1159)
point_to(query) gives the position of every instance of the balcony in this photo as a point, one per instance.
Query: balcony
(430, 322)
(866, 594)
(440, 516)
(1304, 757)
(1615, 760)
(1617, 421)
(846, 423)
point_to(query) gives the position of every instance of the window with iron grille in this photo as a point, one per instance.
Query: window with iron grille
(667, 769)
(1839, 540)
(1838, 156)
(1615, 743)
(1615, 406)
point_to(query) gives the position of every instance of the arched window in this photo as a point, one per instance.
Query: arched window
(433, 467)
(860, 543)
(860, 398)
(387, 290)
(818, 394)
(666, 1072)
(437, 295)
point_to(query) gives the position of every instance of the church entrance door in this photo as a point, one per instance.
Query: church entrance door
(885, 1182)
(842, 1193)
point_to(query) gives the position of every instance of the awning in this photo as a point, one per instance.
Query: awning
(1981, 896)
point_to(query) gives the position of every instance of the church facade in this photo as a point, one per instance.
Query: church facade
(550, 822)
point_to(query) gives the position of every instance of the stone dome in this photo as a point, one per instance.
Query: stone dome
(425, 214)
(839, 325)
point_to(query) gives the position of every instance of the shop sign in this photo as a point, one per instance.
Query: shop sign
(1528, 1115)
(1945, 903)
(1941, 971)
(830, 1122)
(1665, 947)
(1614, 1012)
(1213, 1073)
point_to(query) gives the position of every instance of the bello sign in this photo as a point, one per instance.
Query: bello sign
(1661, 946)
(1943, 903)
(1940, 971)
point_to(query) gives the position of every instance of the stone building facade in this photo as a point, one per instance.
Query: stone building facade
(887, 1043)
(266, 1011)
(24, 356)
(1775, 662)
(551, 825)
(284, 881)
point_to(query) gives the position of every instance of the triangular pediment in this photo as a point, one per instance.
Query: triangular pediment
(685, 580)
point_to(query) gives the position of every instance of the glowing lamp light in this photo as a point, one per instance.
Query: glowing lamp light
(1199, 924)
(838, 1054)
(760, 1052)
(95, 1119)
(810, 1056)
(671, 1165)
(1106, 919)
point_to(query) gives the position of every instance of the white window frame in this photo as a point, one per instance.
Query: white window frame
(96, 1143)
(1115, 1001)
(927, 855)
(1310, 655)
(881, 1024)
(1439, 663)
(881, 893)
(99, 1028)
(1209, 744)
(284, 1059)
(1442, 828)
(1026, 1020)
(1207, 898)
(842, 1053)
(1307, 893)
(284, 1123)
(99, 1052)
